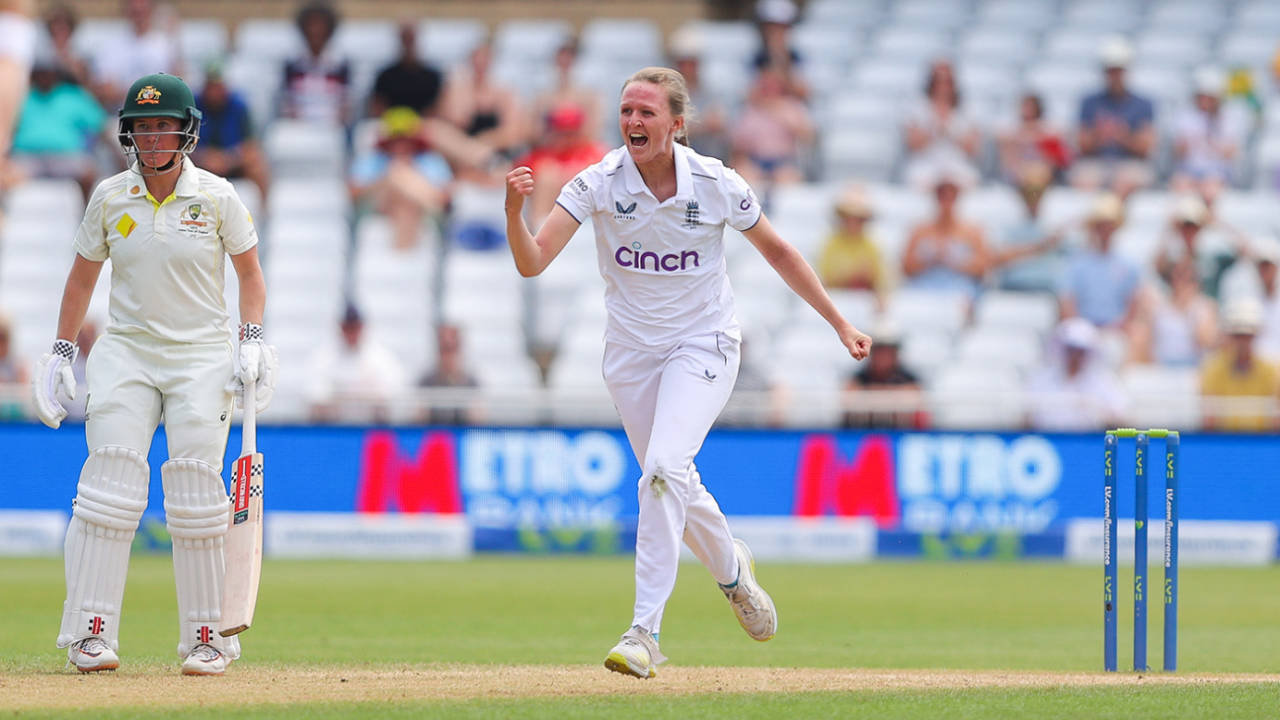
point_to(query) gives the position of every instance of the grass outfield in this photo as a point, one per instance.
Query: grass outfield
(426, 639)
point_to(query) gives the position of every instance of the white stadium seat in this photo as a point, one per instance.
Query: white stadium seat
(297, 148)
(446, 42)
(632, 41)
(270, 39)
(530, 41)
(367, 41)
(1033, 312)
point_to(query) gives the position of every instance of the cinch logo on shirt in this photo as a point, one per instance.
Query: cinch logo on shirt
(632, 257)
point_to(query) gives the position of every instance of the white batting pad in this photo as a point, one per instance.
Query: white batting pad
(110, 498)
(195, 509)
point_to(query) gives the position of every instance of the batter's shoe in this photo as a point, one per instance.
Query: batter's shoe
(92, 654)
(205, 660)
(635, 654)
(750, 602)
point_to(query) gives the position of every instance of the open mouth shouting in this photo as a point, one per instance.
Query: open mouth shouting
(637, 140)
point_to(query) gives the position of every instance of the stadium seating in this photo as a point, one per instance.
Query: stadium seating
(865, 60)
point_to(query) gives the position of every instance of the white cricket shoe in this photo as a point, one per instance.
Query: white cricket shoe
(750, 602)
(635, 654)
(92, 654)
(205, 660)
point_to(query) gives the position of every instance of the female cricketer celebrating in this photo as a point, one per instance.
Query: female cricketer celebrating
(671, 347)
(167, 226)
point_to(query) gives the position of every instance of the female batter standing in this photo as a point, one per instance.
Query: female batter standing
(167, 227)
(671, 347)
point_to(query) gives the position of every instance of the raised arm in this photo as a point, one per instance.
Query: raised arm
(533, 253)
(792, 268)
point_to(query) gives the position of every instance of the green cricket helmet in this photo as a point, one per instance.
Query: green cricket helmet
(159, 95)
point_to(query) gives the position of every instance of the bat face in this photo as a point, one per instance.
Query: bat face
(243, 546)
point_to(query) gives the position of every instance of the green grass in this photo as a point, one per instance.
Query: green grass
(1014, 616)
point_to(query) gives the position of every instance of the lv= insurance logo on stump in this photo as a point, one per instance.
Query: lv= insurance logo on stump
(1110, 545)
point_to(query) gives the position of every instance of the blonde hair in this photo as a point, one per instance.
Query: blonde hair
(677, 91)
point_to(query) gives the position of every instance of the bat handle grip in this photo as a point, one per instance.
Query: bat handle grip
(249, 424)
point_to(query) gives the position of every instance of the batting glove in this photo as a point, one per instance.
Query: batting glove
(54, 378)
(256, 362)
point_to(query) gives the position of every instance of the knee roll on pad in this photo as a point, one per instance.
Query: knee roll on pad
(195, 500)
(196, 509)
(110, 498)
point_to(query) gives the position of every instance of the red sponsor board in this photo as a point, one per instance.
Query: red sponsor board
(391, 481)
(827, 484)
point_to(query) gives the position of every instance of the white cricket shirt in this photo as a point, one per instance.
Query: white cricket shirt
(167, 257)
(663, 263)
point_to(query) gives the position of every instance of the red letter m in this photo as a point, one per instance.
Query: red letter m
(825, 484)
(389, 480)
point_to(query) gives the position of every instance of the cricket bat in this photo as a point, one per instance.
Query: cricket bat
(244, 528)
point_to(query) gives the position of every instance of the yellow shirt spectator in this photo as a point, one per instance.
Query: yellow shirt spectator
(1236, 372)
(850, 260)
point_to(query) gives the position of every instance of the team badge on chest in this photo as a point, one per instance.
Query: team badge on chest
(190, 221)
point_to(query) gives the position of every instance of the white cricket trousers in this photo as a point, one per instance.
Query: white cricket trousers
(134, 382)
(668, 402)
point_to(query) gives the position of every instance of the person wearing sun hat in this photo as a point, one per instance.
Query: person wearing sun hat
(1074, 390)
(1100, 284)
(403, 178)
(1236, 373)
(850, 259)
(1117, 128)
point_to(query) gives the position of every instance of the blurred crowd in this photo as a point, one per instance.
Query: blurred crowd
(1207, 301)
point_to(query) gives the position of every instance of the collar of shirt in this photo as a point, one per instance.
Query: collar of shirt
(684, 176)
(188, 185)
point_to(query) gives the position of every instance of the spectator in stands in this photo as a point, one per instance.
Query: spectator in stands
(938, 133)
(566, 92)
(353, 380)
(227, 143)
(1100, 284)
(850, 260)
(1074, 391)
(566, 151)
(708, 130)
(1032, 143)
(59, 124)
(884, 373)
(771, 133)
(13, 374)
(1177, 326)
(403, 178)
(317, 85)
(407, 82)
(1029, 257)
(775, 18)
(486, 111)
(1117, 130)
(1254, 277)
(1208, 137)
(449, 372)
(60, 23)
(1194, 240)
(947, 253)
(1267, 259)
(151, 45)
(1239, 388)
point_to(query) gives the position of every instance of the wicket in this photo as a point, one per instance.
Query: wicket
(1109, 547)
